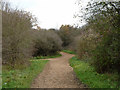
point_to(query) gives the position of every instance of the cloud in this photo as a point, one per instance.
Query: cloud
(50, 13)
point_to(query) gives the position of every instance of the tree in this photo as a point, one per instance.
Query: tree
(104, 17)
(16, 40)
(66, 34)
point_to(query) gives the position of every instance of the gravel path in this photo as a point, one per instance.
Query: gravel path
(57, 74)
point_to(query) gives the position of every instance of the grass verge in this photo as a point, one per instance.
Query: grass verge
(22, 78)
(68, 51)
(46, 57)
(90, 77)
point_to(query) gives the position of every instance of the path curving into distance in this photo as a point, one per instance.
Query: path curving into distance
(57, 74)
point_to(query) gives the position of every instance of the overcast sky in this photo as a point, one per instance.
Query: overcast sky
(50, 13)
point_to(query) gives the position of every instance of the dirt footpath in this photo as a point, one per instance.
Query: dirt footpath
(57, 74)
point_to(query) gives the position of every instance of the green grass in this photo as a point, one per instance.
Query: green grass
(90, 77)
(0, 81)
(22, 78)
(46, 57)
(68, 51)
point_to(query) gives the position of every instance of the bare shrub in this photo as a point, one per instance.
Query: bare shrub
(17, 45)
(46, 43)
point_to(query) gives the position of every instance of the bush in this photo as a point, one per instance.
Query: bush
(46, 43)
(67, 33)
(106, 22)
(16, 42)
(21, 42)
(106, 55)
(86, 43)
(104, 18)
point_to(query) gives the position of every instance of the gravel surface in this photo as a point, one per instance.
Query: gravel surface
(57, 74)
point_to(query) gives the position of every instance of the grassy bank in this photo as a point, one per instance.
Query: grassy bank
(22, 78)
(90, 77)
(46, 57)
(68, 51)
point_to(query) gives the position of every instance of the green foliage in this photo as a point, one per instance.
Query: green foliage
(86, 43)
(68, 51)
(104, 19)
(106, 55)
(22, 78)
(90, 77)
(67, 33)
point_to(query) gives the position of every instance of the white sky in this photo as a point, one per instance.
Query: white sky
(50, 13)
